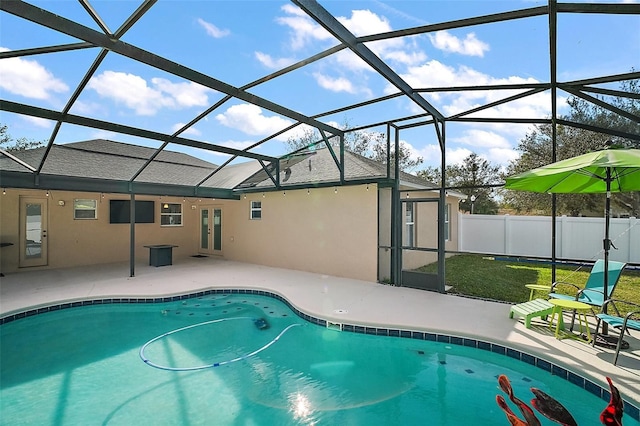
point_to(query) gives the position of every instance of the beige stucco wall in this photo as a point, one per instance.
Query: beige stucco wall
(322, 231)
(72, 242)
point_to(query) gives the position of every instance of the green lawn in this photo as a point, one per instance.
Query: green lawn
(481, 276)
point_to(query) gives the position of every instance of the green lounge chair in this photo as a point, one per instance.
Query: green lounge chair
(593, 291)
(631, 321)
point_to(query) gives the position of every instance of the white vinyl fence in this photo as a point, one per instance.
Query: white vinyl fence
(577, 238)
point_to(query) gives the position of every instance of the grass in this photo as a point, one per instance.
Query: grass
(480, 276)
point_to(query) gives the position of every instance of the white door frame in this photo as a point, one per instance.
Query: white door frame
(210, 230)
(33, 231)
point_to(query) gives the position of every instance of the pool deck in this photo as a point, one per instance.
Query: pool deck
(334, 299)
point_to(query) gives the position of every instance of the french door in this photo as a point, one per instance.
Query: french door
(210, 230)
(33, 231)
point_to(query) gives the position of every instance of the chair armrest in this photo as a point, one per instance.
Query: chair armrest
(629, 314)
(591, 290)
(553, 285)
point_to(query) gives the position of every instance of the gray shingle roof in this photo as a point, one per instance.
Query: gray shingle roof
(319, 167)
(104, 159)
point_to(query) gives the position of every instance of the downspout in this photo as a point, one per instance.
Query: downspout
(441, 208)
(397, 214)
(132, 237)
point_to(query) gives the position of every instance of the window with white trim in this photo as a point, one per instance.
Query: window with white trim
(85, 209)
(409, 224)
(170, 214)
(447, 222)
(256, 210)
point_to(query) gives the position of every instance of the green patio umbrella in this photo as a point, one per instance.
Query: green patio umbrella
(606, 171)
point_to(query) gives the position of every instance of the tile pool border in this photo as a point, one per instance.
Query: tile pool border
(555, 370)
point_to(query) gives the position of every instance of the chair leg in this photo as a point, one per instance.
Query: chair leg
(618, 346)
(595, 333)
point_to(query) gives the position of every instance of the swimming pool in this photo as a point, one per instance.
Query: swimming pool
(89, 365)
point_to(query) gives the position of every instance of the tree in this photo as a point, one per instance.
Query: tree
(7, 143)
(371, 145)
(472, 177)
(407, 163)
(309, 137)
(536, 151)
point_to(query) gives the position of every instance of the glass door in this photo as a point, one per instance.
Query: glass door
(33, 232)
(211, 230)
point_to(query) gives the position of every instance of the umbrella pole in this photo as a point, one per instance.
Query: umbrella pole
(607, 247)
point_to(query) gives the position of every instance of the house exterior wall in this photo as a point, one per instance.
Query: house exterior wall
(426, 230)
(77, 242)
(322, 231)
(328, 232)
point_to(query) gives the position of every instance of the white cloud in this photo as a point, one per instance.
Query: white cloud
(437, 74)
(190, 131)
(303, 29)
(365, 22)
(212, 30)
(251, 120)
(339, 84)
(28, 78)
(431, 155)
(185, 94)
(470, 45)
(133, 91)
(405, 57)
(501, 156)
(456, 155)
(482, 139)
(86, 108)
(269, 62)
(490, 145)
(104, 134)
(38, 122)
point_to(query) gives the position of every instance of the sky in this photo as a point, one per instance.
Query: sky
(239, 42)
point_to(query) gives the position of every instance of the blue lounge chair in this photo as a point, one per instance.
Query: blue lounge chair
(593, 291)
(631, 321)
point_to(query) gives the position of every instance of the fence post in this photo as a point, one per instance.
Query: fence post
(507, 234)
(560, 235)
(634, 235)
(460, 232)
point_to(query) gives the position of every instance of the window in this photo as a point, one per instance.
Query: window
(447, 222)
(85, 209)
(170, 214)
(409, 225)
(256, 210)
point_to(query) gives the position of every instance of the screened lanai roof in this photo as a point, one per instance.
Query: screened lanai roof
(230, 82)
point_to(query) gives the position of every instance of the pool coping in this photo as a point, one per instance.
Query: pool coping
(554, 369)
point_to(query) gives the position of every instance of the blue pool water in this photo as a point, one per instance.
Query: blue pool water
(84, 366)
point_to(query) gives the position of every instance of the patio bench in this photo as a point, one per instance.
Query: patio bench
(532, 309)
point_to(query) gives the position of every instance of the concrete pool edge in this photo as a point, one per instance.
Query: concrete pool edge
(378, 329)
